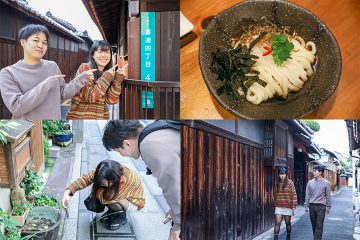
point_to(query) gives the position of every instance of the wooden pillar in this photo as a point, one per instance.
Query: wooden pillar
(37, 147)
(134, 47)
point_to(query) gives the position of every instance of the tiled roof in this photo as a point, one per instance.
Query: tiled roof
(27, 9)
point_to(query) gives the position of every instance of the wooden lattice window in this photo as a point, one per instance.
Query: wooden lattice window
(61, 43)
(7, 29)
(268, 139)
(53, 40)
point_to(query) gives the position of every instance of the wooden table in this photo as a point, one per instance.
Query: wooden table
(341, 17)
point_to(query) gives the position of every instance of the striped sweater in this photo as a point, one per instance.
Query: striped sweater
(91, 101)
(286, 196)
(130, 187)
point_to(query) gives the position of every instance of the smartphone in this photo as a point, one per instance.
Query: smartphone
(166, 220)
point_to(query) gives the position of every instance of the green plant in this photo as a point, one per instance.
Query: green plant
(45, 200)
(46, 146)
(281, 48)
(20, 207)
(64, 132)
(19, 210)
(51, 127)
(312, 124)
(31, 183)
(10, 226)
(13, 235)
(6, 125)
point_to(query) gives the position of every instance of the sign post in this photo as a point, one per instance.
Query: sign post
(147, 55)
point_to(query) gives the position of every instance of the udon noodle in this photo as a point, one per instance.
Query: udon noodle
(280, 79)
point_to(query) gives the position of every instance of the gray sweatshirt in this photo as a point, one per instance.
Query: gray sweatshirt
(318, 191)
(29, 91)
(160, 151)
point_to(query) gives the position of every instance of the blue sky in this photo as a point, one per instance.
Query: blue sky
(72, 11)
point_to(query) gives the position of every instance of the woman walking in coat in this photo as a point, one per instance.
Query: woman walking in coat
(285, 202)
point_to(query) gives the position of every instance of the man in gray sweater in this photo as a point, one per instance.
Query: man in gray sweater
(160, 150)
(318, 200)
(33, 88)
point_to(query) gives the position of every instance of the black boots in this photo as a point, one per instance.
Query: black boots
(288, 236)
(106, 216)
(115, 221)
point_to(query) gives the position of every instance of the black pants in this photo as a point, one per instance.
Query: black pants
(317, 216)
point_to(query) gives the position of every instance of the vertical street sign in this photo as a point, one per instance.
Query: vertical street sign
(147, 55)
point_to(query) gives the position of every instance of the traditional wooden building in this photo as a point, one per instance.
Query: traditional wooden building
(353, 127)
(65, 48)
(120, 24)
(229, 171)
(332, 168)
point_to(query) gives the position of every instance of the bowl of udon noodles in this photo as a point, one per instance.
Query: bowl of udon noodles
(267, 59)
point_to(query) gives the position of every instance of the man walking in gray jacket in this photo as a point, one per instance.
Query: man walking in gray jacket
(318, 200)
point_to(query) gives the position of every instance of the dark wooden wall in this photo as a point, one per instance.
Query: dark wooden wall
(168, 46)
(226, 189)
(159, 5)
(164, 108)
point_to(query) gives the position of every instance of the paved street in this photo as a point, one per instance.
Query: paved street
(339, 224)
(143, 225)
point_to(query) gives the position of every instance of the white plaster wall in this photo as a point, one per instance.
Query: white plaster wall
(5, 201)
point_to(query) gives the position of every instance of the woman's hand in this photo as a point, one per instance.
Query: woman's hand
(65, 200)
(123, 70)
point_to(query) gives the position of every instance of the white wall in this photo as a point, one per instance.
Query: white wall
(5, 202)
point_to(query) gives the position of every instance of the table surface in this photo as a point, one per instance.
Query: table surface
(341, 17)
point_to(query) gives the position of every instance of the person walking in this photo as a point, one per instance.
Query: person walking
(285, 202)
(159, 145)
(318, 201)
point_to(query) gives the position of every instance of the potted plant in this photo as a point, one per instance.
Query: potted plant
(9, 224)
(45, 200)
(63, 138)
(20, 212)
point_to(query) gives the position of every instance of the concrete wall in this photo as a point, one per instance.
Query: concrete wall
(5, 204)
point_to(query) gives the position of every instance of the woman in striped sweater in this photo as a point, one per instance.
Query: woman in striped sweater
(113, 185)
(285, 202)
(91, 101)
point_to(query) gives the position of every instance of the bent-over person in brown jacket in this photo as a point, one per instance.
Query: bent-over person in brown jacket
(113, 185)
